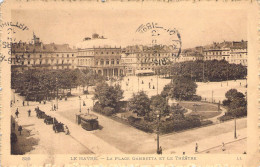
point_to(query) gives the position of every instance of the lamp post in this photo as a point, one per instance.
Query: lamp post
(79, 104)
(235, 131)
(14, 96)
(57, 100)
(158, 131)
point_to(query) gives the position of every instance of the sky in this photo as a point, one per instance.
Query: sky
(196, 27)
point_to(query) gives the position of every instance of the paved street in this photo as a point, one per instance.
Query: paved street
(39, 138)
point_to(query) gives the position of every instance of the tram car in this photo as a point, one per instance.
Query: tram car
(89, 121)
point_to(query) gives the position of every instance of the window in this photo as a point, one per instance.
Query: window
(72, 55)
(107, 52)
(40, 56)
(57, 55)
(29, 62)
(107, 61)
(101, 52)
(112, 61)
(40, 62)
(112, 52)
(68, 55)
(28, 56)
(101, 62)
(96, 62)
(117, 61)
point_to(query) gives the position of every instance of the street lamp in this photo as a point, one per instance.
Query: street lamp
(235, 131)
(158, 131)
(57, 100)
(79, 104)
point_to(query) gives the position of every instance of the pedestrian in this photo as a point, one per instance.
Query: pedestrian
(149, 85)
(240, 83)
(17, 113)
(196, 147)
(27, 103)
(20, 129)
(223, 146)
(160, 150)
(23, 103)
(54, 106)
(13, 125)
(29, 113)
(67, 131)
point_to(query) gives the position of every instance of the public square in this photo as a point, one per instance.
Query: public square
(115, 137)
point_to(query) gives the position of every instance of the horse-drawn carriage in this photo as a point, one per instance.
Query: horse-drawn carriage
(50, 120)
(40, 114)
(58, 127)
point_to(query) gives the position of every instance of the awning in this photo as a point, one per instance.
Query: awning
(144, 72)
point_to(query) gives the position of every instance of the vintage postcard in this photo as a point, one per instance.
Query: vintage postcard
(108, 83)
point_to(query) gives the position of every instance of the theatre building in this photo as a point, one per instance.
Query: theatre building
(101, 55)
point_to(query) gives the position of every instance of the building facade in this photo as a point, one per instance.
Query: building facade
(101, 55)
(41, 56)
(234, 52)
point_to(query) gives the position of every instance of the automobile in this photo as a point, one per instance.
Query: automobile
(13, 138)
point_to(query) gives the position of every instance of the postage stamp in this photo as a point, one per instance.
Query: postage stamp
(114, 84)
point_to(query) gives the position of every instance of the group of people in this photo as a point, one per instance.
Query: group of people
(17, 113)
(223, 148)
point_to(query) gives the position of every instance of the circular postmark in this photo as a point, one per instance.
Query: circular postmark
(12, 28)
(165, 43)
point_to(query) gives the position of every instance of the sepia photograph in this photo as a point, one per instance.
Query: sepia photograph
(128, 81)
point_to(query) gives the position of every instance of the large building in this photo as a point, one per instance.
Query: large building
(37, 55)
(141, 59)
(234, 52)
(101, 55)
(191, 54)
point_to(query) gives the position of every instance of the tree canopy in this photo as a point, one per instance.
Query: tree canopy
(140, 104)
(108, 96)
(180, 88)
